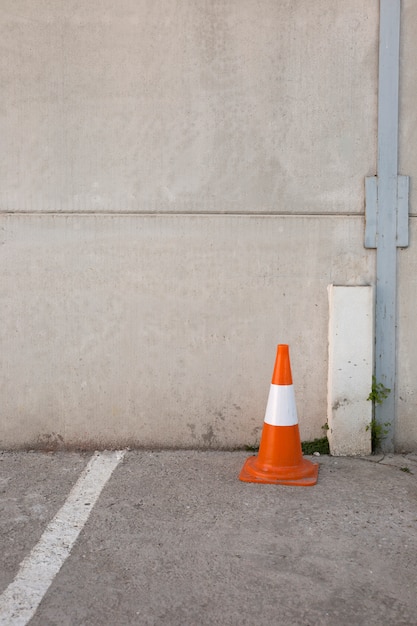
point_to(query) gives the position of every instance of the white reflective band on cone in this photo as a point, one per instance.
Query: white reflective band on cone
(281, 409)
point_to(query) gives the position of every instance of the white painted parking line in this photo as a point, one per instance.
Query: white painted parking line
(22, 597)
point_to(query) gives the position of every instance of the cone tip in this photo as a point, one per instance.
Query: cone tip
(282, 370)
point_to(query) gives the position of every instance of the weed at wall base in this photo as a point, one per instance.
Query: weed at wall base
(378, 431)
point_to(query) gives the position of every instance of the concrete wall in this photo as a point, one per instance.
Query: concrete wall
(180, 181)
(187, 105)
(163, 330)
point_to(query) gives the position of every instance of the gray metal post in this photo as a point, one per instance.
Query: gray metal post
(387, 215)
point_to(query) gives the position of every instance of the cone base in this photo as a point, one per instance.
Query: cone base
(304, 474)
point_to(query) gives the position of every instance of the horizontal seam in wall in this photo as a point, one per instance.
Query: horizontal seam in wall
(175, 214)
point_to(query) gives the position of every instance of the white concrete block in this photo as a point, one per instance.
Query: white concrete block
(351, 341)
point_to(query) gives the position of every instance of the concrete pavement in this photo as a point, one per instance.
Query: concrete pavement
(176, 539)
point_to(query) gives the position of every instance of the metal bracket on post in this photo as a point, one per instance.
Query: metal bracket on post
(371, 213)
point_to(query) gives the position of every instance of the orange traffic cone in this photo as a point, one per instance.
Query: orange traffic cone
(280, 460)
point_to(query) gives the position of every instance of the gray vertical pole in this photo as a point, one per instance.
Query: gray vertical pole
(386, 256)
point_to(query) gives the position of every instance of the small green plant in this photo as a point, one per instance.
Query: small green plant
(320, 445)
(378, 432)
(377, 396)
(378, 392)
(317, 445)
(406, 470)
